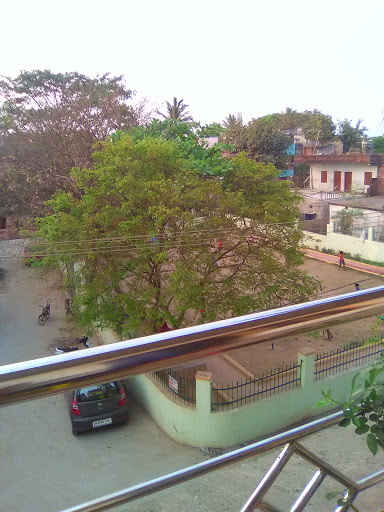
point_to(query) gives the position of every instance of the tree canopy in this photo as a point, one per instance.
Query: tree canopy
(319, 127)
(378, 144)
(261, 139)
(49, 123)
(350, 135)
(160, 241)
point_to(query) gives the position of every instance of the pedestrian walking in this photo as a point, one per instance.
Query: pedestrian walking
(341, 260)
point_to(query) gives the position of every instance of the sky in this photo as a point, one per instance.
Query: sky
(220, 56)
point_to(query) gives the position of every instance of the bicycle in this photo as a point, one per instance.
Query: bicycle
(46, 313)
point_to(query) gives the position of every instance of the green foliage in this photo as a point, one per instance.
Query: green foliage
(263, 142)
(319, 127)
(3, 273)
(364, 407)
(212, 130)
(145, 224)
(314, 334)
(233, 131)
(345, 219)
(349, 135)
(301, 175)
(378, 144)
(191, 143)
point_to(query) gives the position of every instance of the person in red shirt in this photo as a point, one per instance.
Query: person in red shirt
(341, 260)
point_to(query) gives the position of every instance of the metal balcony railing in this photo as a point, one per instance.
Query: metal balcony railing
(59, 373)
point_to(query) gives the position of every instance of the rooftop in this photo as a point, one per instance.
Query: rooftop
(353, 158)
(367, 203)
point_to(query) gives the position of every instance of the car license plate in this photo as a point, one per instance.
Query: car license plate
(101, 423)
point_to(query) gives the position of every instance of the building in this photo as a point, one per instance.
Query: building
(351, 172)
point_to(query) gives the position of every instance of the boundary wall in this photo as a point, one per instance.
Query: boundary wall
(200, 426)
(367, 249)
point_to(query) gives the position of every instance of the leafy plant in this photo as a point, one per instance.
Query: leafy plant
(345, 219)
(364, 407)
(341, 501)
(314, 334)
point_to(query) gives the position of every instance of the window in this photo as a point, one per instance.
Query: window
(324, 177)
(367, 178)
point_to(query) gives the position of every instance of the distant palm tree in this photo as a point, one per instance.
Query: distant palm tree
(233, 130)
(176, 110)
(231, 121)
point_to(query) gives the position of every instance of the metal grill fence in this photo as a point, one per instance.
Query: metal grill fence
(236, 394)
(182, 388)
(347, 357)
(241, 393)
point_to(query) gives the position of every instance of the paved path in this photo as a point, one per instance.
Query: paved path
(356, 265)
(44, 468)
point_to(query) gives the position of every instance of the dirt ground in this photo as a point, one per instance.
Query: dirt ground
(261, 358)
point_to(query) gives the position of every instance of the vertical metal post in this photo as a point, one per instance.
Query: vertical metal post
(271, 475)
(310, 489)
(349, 498)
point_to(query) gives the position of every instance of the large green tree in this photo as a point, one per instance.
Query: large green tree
(156, 240)
(49, 123)
(264, 142)
(350, 135)
(318, 127)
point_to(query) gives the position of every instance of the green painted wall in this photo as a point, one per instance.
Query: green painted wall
(201, 427)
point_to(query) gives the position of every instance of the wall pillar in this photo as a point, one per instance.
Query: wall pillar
(204, 393)
(330, 228)
(370, 233)
(307, 356)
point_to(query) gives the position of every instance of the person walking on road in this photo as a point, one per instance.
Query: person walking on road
(341, 260)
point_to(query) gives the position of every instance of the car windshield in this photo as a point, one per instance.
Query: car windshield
(97, 392)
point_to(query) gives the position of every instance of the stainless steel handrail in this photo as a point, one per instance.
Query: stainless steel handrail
(161, 483)
(50, 375)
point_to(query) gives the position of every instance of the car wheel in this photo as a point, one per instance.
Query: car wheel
(75, 432)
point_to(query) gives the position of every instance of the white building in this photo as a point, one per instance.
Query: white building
(343, 173)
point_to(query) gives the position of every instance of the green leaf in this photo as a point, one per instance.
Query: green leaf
(345, 422)
(356, 421)
(362, 429)
(372, 443)
(332, 495)
(373, 417)
(354, 381)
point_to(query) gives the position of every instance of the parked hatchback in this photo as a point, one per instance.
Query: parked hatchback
(98, 406)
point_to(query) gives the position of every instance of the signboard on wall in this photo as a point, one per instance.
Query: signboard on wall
(173, 384)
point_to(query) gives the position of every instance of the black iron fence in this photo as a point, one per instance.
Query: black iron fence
(236, 394)
(244, 392)
(347, 357)
(182, 388)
